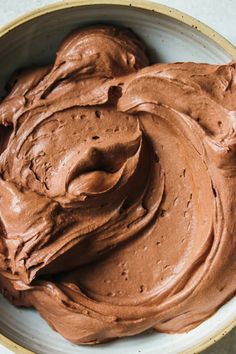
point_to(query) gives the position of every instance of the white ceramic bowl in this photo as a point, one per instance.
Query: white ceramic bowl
(170, 36)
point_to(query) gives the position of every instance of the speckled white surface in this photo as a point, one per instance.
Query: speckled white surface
(219, 14)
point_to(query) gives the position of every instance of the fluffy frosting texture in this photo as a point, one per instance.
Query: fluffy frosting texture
(118, 188)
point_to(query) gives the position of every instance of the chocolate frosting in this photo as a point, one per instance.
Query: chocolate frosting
(118, 188)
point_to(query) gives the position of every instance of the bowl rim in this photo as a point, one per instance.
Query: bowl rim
(141, 4)
(156, 8)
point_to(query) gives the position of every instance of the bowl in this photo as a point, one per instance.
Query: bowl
(170, 36)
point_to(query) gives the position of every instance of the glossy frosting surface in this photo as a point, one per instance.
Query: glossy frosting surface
(118, 188)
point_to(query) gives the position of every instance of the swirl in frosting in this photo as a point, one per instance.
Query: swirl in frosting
(118, 189)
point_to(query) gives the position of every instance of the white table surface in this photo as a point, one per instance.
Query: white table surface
(218, 14)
